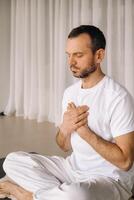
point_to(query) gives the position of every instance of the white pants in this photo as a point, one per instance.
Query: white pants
(49, 178)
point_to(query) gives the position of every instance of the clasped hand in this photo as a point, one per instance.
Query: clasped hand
(74, 118)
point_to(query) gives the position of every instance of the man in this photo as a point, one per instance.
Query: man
(97, 123)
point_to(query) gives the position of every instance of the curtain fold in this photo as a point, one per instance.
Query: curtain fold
(38, 68)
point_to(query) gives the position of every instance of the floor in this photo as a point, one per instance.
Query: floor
(18, 134)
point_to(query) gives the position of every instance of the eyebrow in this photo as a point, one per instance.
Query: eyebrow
(75, 52)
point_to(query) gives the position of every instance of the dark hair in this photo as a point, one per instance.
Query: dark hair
(96, 35)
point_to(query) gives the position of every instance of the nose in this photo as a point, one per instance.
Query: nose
(71, 60)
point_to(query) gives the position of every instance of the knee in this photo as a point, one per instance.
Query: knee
(10, 160)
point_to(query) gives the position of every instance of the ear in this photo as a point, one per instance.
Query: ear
(99, 55)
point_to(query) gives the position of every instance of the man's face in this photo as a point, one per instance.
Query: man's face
(80, 56)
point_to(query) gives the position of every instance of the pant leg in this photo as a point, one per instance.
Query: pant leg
(97, 188)
(29, 173)
(66, 191)
(49, 179)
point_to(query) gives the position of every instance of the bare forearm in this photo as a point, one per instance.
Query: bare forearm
(62, 141)
(108, 150)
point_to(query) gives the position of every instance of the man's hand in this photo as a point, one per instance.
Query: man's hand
(72, 105)
(74, 118)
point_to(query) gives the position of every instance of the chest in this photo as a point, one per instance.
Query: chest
(98, 119)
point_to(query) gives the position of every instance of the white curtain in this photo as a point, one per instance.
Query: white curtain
(38, 69)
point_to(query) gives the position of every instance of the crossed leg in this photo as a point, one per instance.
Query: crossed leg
(36, 177)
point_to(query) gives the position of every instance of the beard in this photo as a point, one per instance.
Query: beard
(85, 73)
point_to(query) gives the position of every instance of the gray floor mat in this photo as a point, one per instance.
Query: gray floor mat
(2, 173)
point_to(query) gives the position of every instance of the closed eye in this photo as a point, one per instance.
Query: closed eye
(79, 55)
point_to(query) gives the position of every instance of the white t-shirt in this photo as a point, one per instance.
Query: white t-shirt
(111, 114)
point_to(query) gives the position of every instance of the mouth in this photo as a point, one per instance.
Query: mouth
(75, 72)
(74, 69)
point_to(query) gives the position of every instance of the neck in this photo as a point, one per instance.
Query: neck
(92, 79)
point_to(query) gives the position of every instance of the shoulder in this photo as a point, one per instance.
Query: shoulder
(119, 100)
(114, 90)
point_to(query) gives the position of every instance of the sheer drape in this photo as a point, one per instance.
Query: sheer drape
(38, 69)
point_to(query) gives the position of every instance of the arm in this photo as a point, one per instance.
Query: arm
(63, 141)
(120, 153)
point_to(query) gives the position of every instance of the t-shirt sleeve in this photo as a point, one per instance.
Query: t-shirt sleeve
(122, 117)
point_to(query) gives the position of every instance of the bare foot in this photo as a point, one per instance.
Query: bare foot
(9, 188)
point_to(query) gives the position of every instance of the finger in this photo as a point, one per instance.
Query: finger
(69, 106)
(73, 105)
(82, 117)
(82, 109)
(81, 123)
(2, 191)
